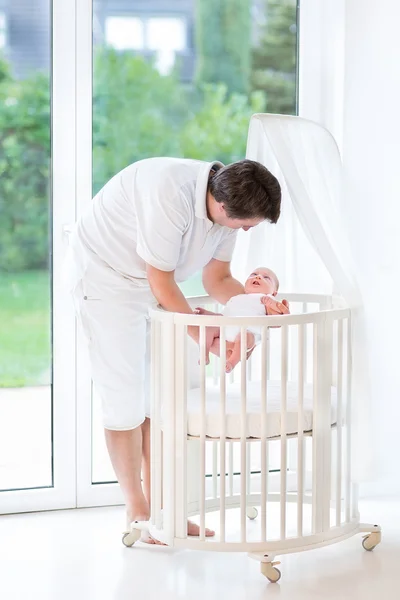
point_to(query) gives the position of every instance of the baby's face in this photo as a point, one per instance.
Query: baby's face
(262, 281)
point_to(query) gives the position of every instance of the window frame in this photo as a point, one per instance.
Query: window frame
(63, 168)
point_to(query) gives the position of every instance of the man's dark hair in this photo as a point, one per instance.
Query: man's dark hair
(247, 190)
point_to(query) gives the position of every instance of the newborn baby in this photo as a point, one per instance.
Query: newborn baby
(260, 291)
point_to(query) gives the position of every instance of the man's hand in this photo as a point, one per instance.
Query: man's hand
(202, 311)
(274, 307)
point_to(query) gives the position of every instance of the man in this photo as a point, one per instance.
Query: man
(151, 226)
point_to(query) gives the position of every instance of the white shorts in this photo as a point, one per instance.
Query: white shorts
(113, 313)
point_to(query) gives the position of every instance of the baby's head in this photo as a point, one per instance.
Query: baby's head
(262, 281)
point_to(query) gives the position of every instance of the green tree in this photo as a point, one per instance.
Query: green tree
(223, 45)
(218, 130)
(275, 57)
(137, 113)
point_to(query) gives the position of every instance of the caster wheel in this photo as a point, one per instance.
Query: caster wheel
(252, 513)
(371, 541)
(270, 572)
(130, 538)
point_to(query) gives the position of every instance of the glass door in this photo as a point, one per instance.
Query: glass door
(37, 401)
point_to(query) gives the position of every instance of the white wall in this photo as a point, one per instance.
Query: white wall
(371, 154)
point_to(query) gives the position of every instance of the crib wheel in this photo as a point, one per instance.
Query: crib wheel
(270, 572)
(130, 538)
(252, 512)
(371, 540)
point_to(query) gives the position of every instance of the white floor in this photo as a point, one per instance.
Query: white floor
(77, 554)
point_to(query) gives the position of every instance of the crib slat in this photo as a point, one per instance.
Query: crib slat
(305, 338)
(181, 432)
(339, 424)
(154, 376)
(168, 389)
(264, 442)
(230, 470)
(249, 370)
(215, 469)
(300, 430)
(248, 468)
(348, 424)
(284, 376)
(316, 477)
(202, 344)
(325, 395)
(293, 351)
(222, 462)
(323, 338)
(243, 462)
(155, 426)
(214, 357)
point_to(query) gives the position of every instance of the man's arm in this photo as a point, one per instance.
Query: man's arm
(166, 291)
(170, 297)
(219, 283)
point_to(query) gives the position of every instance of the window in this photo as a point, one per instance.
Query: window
(125, 33)
(166, 34)
(162, 35)
(3, 30)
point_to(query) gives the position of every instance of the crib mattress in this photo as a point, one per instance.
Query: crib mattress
(253, 422)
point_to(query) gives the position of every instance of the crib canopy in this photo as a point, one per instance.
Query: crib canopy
(309, 247)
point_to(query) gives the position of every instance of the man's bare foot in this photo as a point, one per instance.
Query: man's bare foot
(146, 538)
(194, 530)
(140, 511)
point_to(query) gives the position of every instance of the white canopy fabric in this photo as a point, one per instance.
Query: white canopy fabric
(309, 248)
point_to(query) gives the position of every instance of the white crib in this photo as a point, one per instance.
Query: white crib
(264, 454)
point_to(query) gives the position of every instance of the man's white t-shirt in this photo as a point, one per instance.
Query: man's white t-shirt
(154, 212)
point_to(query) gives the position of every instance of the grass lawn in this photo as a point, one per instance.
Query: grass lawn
(25, 350)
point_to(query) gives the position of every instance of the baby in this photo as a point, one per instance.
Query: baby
(259, 299)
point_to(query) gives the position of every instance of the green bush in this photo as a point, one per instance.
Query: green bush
(24, 171)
